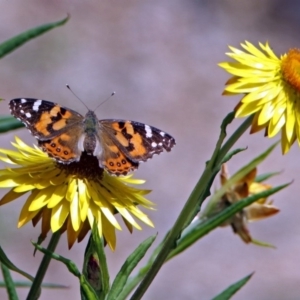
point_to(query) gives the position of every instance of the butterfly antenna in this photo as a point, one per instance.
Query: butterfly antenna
(112, 94)
(77, 96)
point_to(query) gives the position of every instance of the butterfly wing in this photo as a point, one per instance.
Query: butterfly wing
(43, 118)
(56, 128)
(126, 143)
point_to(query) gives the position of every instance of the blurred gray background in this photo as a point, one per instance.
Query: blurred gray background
(161, 58)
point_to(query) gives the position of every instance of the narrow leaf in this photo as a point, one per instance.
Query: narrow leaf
(5, 261)
(233, 138)
(232, 289)
(26, 284)
(266, 176)
(67, 262)
(128, 266)
(132, 282)
(229, 155)
(9, 283)
(18, 40)
(9, 123)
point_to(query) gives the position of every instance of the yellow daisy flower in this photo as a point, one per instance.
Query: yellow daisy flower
(258, 210)
(271, 89)
(70, 197)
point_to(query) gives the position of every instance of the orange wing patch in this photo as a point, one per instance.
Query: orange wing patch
(41, 125)
(59, 149)
(116, 162)
(133, 142)
(48, 118)
(59, 124)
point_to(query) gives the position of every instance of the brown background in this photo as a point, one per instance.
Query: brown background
(161, 58)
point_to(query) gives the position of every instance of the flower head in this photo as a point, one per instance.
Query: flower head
(256, 211)
(271, 90)
(70, 197)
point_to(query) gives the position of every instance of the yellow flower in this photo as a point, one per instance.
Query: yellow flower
(258, 210)
(70, 197)
(271, 90)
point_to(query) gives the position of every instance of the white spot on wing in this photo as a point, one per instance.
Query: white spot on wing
(36, 105)
(28, 114)
(23, 100)
(154, 145)
(148, 131)
(162, 133)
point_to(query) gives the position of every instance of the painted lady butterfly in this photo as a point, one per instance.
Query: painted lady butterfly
(64, 134)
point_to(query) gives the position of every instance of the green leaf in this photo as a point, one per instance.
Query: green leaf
(20, 39)
(44, 285)
(132, 282)
(9, 283)
(200, 228)
(99, 249)
(232, 289)
(67, 262)
(128, 266)
(266, 176)
(229, 155)
(234, 138)
(5, 261)
(9, 123)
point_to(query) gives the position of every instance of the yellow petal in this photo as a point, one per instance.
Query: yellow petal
(247, 109)
(74, 212)
(274, 127)
(84, 200)
(266, 113)
(10, 196)
(58, 194)
(42, 198)
(25, 214)
(59, 215)
(126, 215)
(109, 233)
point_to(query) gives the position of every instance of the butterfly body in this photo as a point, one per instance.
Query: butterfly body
(64, 134)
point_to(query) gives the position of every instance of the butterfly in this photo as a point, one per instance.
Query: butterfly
(64, 135)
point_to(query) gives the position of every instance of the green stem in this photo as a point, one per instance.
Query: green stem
(193, 201)
(35, 289)
(235, 136)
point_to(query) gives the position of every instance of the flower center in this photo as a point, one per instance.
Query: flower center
(86, 168)
(290, 68)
